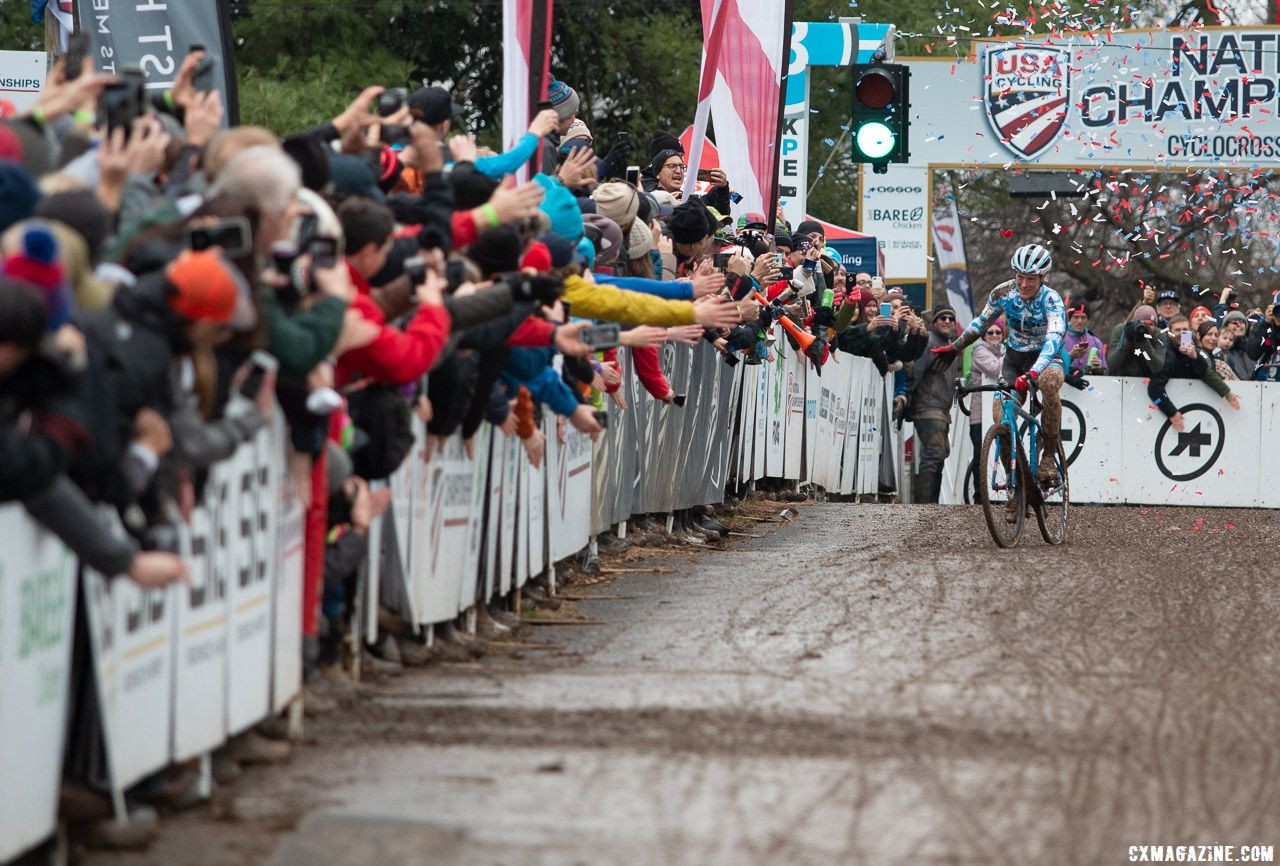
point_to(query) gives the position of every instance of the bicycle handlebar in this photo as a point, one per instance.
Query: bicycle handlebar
(1000, 387)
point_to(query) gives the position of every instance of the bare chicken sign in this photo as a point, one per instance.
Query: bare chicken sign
(1139, 98)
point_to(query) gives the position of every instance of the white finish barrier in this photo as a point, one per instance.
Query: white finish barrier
(1122, 450)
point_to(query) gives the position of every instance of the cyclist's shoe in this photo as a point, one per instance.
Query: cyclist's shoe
(1011, 511)
(1047, 474)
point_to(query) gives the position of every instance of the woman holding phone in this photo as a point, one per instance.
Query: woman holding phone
(984, 369)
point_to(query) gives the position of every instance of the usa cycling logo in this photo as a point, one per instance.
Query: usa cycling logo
(1027, 92)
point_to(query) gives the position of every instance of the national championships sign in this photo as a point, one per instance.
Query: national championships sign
(1157, 99)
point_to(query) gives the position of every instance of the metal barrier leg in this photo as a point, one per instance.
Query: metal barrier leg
(622, 529)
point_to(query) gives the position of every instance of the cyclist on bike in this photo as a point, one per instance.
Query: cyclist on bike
(1036, 325)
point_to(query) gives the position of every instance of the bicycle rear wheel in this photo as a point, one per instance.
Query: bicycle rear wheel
(1051, 513)
(1004, 499)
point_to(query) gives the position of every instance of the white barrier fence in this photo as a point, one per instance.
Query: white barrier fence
(180, 670)
(1122, 450)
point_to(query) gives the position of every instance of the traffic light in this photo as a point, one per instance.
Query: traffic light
(881, 109)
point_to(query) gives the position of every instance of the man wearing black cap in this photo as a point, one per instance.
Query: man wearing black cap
(931, 399)
(435, 107)
(1167, 306)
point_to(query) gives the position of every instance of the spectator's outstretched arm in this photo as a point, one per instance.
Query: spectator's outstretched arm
(671, 290)
(398, 357)
(303, 340)
(65, 511)
(502, 164)
(606, 303)
(1157, 384)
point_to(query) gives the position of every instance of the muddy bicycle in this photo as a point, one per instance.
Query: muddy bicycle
(1006, 470)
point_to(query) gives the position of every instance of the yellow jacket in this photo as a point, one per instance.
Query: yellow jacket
(611, 304)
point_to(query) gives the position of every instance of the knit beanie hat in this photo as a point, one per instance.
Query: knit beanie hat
(36, 263)
(559, 249)
(205, 286)
(660, 158)
(807, 226)
(577, 136)
(82, 211)
(617, 201)
(1144, 312)
(663, 140)
(610, 244)
(690, 222)
(18, 194)
(537, 257)
(564, 99)
(939, 309)
(561, 208)
(782, 238)
(639, 241)
(587, 250)
(309, 152)
(352, 177)
(496, 251)
(666, 203)
(471, 188)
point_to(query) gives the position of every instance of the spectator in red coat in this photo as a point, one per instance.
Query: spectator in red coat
(394, 356)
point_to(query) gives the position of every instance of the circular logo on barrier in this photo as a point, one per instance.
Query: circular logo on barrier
(1074, 430)
(1191, 453)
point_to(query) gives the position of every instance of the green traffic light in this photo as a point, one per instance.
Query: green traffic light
(874, 140)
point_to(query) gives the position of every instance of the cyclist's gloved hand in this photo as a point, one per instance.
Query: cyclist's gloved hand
(1023, 382)
(1076, 379)
(943, 356)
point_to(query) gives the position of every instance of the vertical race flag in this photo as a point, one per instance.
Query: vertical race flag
(744, 60)
(526, 67)
(948, 251)
(156, 37)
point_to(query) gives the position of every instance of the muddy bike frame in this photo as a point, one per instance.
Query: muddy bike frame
(1010, 412)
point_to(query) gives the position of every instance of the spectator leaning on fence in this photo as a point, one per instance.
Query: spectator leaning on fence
(1183, 360)
(1263, 343)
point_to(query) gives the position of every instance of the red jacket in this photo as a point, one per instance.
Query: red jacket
(394, 356)
(648, 368)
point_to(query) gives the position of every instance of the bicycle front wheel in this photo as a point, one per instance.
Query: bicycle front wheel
(1051, 514)
(1004, 499)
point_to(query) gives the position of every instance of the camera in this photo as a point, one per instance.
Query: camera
(416, 270)
(324, 252)
(600, 337)
(392, 100)
(124, 101)
(202, 76)
(788, 272)
(720, 261)
(260, 363)
(233, 235)
(78, 47)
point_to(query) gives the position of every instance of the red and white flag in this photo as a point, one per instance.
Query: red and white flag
(744, 59)
(526, 66)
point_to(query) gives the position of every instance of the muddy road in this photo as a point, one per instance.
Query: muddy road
(868, 684)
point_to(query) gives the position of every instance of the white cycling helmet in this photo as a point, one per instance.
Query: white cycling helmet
(1032, 259)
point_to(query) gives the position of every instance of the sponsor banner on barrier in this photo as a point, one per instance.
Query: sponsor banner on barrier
(796, 459)
(570, 492)
(1093, 440)
(1212, 461)
(775, 411)
(512, 455)
(494, 480)
(200, 644)
(141, 720)
(810, 420)
(869, 438)
(534, 484)
(249, 649)
(826, 449)
(476, 516)
(37, 603)
(764, 387)
(853, 426)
